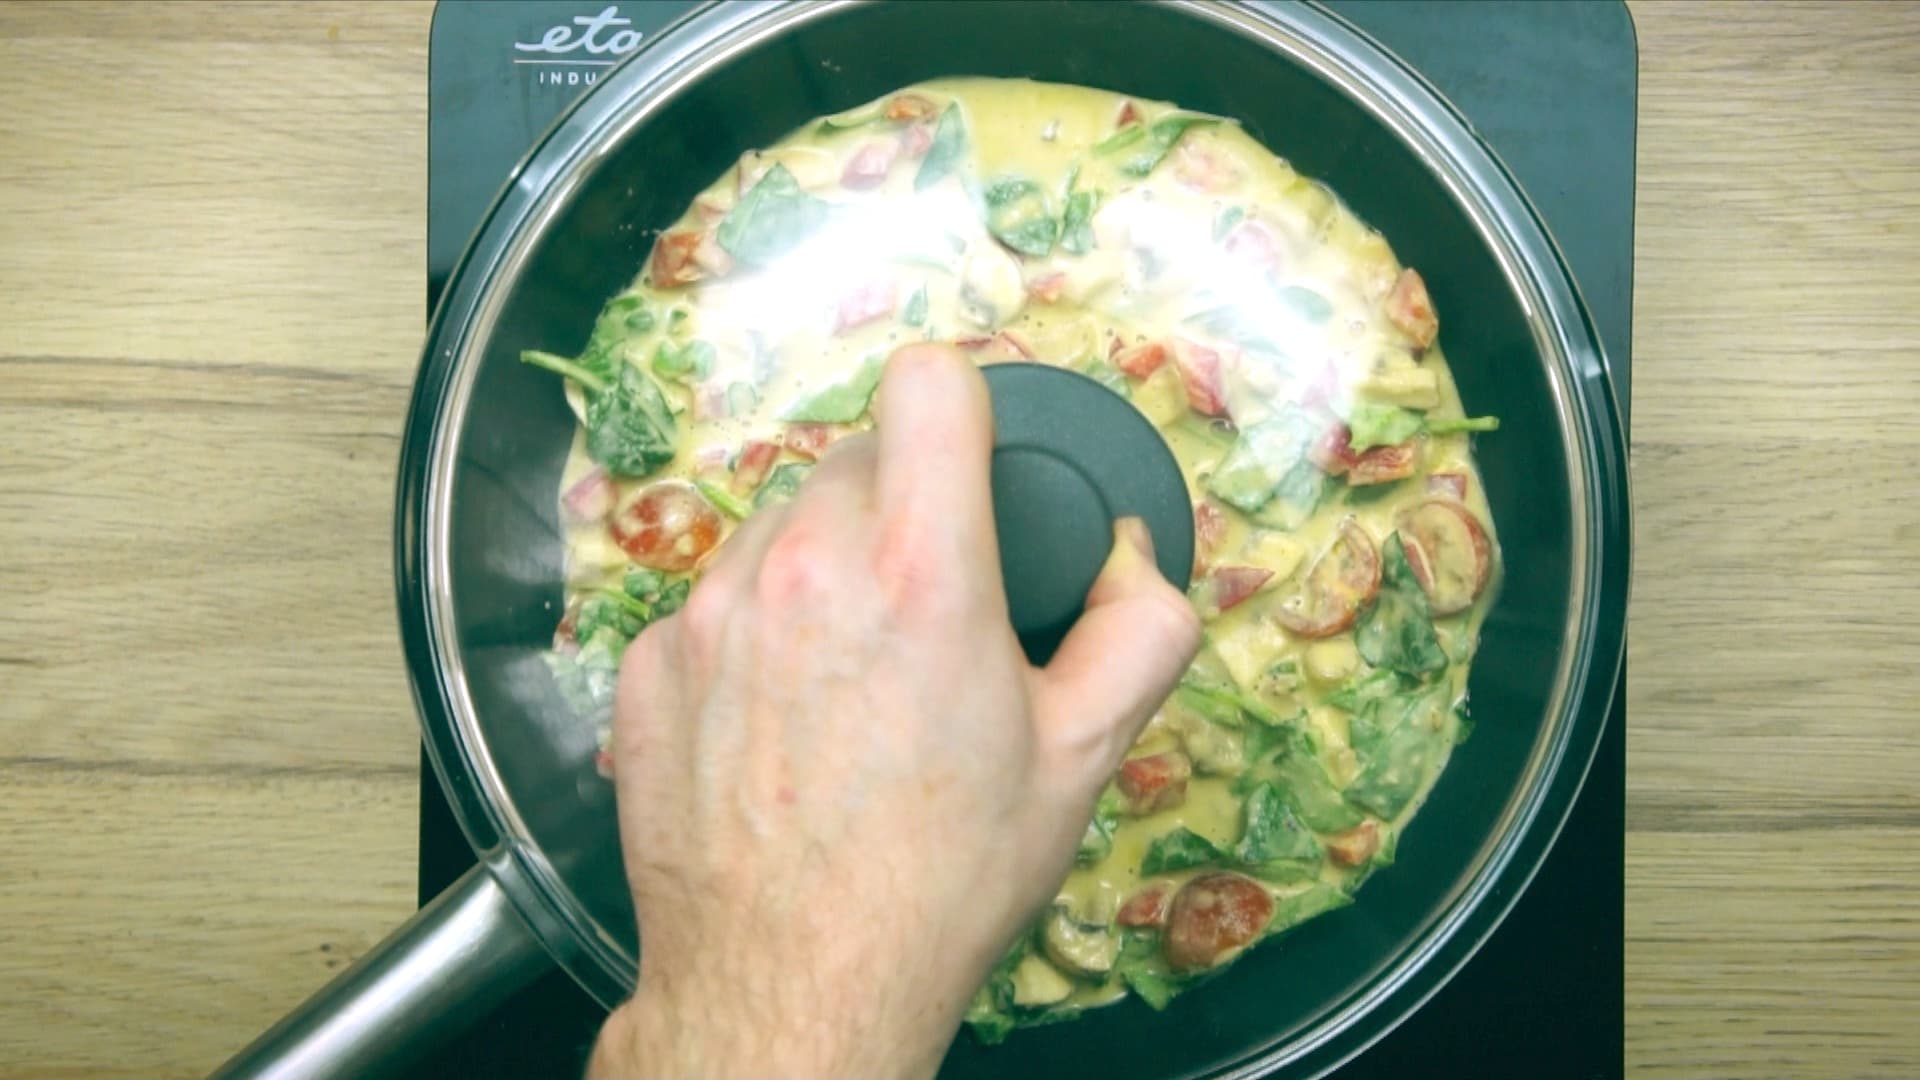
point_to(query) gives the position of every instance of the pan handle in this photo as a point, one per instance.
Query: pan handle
(460, 956)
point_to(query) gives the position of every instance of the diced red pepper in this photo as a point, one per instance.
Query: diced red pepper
(1209, 528)
(869, 165)
(870, 301)
(810, 440)
(1139, 360)
(756, 460)
(1356, 845)
(1047, 288)
(590, 499)
(1129, 114)
(916, 139)
(1146, 908)
(1200, 371)
(673, 262)
(903, 108)
(1411, 309)
(1451, 484)
(1385, 464)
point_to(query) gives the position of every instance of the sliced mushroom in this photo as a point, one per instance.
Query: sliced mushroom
(1086, 949)
(1037, 984)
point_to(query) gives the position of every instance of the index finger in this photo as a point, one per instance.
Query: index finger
(936, 442)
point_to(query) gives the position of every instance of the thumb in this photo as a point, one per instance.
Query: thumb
(1120, 660)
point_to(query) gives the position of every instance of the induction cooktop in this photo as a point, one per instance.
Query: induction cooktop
(1552, 87)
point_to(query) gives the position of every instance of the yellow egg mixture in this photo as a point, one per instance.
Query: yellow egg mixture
(1345, 549)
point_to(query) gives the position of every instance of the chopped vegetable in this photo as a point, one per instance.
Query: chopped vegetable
(843, 402)
(945, 155)
(1469, 423)
(1213, 917)
(629, 429)
(668, 525)
(1076, 224)
(1159, 140)
(1180, 849)
(782, 484)
(1397, 632)
(1155, 782)
(773, 217)
(1371, 425)
(916, 311)
(1448, 553)
(1272, 834)
(726, 501)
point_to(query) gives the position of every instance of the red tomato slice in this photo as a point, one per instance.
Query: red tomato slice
(873, 300)
(1156, 782)
(667, 525)
(1385, 464)
(1148, 907)
(1140, 360)
(1212, 918)
(590, 498)
(904, 108)
(810, 440)
(1411, 309)
(1209, 528)
(1229, 586)
(1342, 581)
(869, 165)
(673, 260)
(1450, 484)
(1448, 552)
(756, 460)
(1200, 371)
(1356, 845)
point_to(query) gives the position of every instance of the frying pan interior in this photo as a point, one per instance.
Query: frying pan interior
(506, 555)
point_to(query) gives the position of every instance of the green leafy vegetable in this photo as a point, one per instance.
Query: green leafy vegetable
(1008, 190)
(772, 218)
(1305, 303)
(843, 402)
(1470, 423)
(1213, 699)
(692, 360)
(1397, 632)
(1161, 136)
(1272, 834)
(947, 151)
(1226, 220)
(624, 316)
(1030, 236)
(916, 311)
(1181, 849)
(991, 1012)
(1317, 899)
(1462, 723)
(672, 598)
(629, 427)
(1265, 453)
(1398, 765)
(643, 584)
(1105, 374)
(1371, 687)
(726, 501)
(1018, 216)
(1140, 966)
(1076, 225)
(1380, 425)
(586, 679)
(1097, 841)
(1295, 498)
(1121, 139)
(781, 483)
(1301, 780)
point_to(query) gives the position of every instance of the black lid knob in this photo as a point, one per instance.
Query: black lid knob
(1070, 457)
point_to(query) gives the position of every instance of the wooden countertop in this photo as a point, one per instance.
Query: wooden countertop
(211, 251)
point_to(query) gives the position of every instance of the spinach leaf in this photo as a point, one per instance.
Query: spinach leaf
(693, 360)
(1142, 969)
(990, 1014)
(1097, 841)
(1305, 303)
(1076, 225)
(725, 501)
(629, 428)
(1462, 723)
(1300, 779)
(1318, 899)
(1181, 849)
(948, 149)
(1470, 423)
(1272, 834)
(625, 316)
(781, 483)
(643, 584)
(586, 679)
(1400, 761)
(1265, 453)
(1162, 134)
(1397, 632)
(1121, 139)
(1030, 236)
(843, 402)
(1008, 190)
(1295, 498)
(1380, 425)
(773, 217)
(916, 311)
(1371, 687)
(1226, 220)
(672, 598)
(610, 612)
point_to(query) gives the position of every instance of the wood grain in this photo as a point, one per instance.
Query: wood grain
(211, 251)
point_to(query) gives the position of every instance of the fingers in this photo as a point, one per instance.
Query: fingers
(936, 443)
(1121, 659)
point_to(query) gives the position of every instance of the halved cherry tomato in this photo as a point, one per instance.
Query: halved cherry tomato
(590, 498)
(1139, 360)
(810, 440)
(1450, 484)
(870, 301)
(756, 460)
(1342, 581)
(667, 525)
(1385, 464)
(869, 165)
(1356, 845)
(1148, 907)
(1448, 552)
(673, 262)
(1153, 783)
(1411, 309)
(903, 108)
(1212, 918)
(1209, 528)
(1200, 371)
(1229, 586)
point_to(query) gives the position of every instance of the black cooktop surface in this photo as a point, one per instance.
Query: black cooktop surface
(1552, 87)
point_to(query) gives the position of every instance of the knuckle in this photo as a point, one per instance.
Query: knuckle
(703, 618)
(910, 568)
(795, 569)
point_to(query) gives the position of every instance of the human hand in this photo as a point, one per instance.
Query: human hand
(842, 788)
